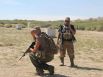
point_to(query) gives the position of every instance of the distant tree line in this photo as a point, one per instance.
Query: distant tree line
(92, 24)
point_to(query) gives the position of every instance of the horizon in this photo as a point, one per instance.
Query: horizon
(58, 19)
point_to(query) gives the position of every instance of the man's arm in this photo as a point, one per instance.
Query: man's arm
(72, 29)
(31, 46)
(58, 38)
(59, 35)
(28, 50)
(36, 46)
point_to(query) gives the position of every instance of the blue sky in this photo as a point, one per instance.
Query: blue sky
(50, 9)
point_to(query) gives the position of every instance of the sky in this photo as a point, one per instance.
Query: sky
(50, 9)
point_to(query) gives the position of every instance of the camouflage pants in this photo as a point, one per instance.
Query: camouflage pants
(39, 65)
(69, 47)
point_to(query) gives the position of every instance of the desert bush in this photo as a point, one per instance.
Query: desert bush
(81, 27)
(8, 25)
(99, 28)
(93, 28)
(88, 28)
(1, 25)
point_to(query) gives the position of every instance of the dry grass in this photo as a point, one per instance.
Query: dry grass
(88, 51)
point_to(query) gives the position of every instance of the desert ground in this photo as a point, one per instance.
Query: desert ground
(88, 55)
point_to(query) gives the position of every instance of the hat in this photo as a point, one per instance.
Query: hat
(36, 28)
(67, 18)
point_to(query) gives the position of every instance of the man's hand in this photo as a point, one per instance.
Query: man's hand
(73, 32)
(58, 44)
(31, 49)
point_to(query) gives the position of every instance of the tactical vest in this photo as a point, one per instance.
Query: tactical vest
(66, 33)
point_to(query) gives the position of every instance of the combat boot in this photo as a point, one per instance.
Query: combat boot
(51, 70)
(62, 61)
(40, 72)
(72, 62)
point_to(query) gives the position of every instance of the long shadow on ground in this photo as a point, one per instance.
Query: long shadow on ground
(55, 75)
(88, 68)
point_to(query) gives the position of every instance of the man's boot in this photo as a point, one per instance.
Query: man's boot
(39, 71)
(49, 68)
(62, 61)
(72, 62)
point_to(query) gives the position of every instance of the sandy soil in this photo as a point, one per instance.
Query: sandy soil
(89, 60)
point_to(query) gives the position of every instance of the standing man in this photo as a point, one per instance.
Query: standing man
(65, 40)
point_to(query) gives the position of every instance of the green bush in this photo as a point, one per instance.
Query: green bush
(93, 28)
(88, 28)
(99, 28)
(1, 25)
(8, 25)
(81, 28)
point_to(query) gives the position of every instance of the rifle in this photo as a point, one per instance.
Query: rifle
(28, 50)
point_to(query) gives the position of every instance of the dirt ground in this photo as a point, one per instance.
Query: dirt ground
(88, 55)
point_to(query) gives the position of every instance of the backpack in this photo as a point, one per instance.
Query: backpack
(47, 49)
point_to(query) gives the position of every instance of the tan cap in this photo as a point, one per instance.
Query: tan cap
(37, 28)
